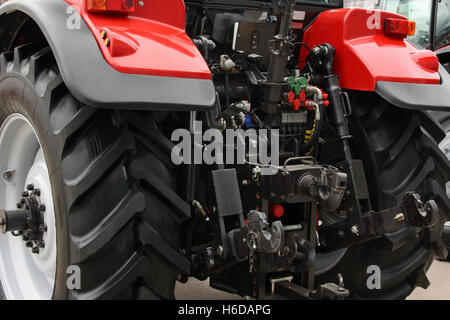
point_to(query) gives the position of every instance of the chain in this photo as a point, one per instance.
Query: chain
(252, 246)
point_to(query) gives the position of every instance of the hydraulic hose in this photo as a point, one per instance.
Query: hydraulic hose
(318, 122)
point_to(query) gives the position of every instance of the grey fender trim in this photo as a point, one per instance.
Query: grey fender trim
(93, 81)
(418, 96)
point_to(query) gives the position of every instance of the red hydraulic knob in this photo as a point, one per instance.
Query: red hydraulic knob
(297, 104)
(291, 96)
(276, 210)
(302, 95)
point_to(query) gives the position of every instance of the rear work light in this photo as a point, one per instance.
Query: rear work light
(399, 27)
(114, 6)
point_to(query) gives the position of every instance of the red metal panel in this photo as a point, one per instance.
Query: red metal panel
(365, 55)
(151, 41)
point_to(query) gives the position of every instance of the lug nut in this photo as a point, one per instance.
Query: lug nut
(42, 207)
(30, 187)
(37, 192)
(42, 244)
(35, 250)
(28, 244)
(25, 194)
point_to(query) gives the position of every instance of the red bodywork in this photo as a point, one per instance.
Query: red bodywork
(365, 56)
(151, 41)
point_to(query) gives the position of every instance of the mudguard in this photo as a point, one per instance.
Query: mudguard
(418, 96)
(176, 78)
(368, 60)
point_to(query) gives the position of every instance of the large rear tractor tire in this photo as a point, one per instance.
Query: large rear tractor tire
(399, 156)
(444, 119)
(108, 186)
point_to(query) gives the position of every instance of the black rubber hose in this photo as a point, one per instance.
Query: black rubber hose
(316, 133)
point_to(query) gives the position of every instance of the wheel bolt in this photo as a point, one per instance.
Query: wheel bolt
(18, 205)
(42, 207)
(30, 187)
(42, 244)
(28, 244)
(25, 194)
(37, 192)
(22, 201)
(35, 250)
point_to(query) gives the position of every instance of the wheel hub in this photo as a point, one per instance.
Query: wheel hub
(28, 221)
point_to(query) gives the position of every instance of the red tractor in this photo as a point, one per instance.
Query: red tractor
(135, 142)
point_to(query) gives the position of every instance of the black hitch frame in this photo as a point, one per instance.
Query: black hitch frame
(413, 213)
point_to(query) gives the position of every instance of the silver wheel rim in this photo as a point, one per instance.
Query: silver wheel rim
(25, 275)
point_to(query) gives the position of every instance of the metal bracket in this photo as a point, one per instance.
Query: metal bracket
(413, 213)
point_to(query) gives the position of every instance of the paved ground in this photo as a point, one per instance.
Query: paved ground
(439, 276)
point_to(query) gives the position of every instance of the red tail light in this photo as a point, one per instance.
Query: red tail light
(115, 6)
(399, 27)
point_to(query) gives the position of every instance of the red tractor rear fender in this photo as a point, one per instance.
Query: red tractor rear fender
(369, 60)
(151, 41)
(365, 54)
(149, 64)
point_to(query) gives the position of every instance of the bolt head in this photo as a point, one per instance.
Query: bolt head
(42, 244)
(29, 244)
(35, 250)
(25, 194)
(355, 229)
(42, 207)
(30, 187)
(37, 192)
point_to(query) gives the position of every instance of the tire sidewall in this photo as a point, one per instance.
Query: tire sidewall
(18, 95)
